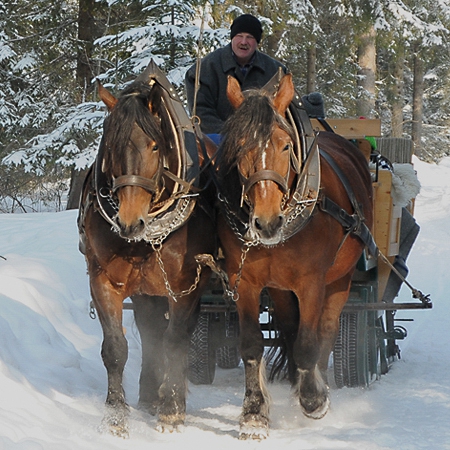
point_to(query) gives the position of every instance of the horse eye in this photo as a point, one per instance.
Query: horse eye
(155, 148)
(287, 147)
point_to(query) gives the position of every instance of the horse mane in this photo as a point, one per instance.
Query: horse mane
(249, 128)
(133, 106)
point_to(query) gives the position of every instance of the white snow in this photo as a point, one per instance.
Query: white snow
(53, 383)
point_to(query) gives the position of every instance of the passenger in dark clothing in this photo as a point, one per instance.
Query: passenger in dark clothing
(241, 59)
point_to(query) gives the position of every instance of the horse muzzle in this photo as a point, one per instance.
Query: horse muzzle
(267, 229)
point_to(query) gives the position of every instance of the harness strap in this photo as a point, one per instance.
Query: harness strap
(325, 124)
(188, 186)
(344, 181)
(264, 175)
(351, 222)
(354, 224)
(148, 184)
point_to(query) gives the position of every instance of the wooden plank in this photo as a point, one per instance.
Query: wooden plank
(386, 230)
(351, 128)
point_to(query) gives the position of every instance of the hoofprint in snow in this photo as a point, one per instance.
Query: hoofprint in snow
(53, 382)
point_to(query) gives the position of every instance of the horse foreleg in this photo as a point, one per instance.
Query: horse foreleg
(114, 354)
(335, 298)
(151, 315)
(172, 393)
(254, 422)
(311, 389)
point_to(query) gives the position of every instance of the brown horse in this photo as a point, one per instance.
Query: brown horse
(282, 228)
(141, 225)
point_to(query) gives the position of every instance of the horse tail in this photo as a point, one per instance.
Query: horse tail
(280, 356)
(277, 360)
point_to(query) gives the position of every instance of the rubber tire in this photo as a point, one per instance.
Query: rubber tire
(350, 354)
(201, 355)
(229, 357)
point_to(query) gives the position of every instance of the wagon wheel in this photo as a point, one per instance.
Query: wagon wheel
(228, 356)
(356, 351)
(345, 352)
(201, 356)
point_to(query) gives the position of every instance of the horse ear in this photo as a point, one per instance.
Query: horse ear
(107, 98)
(155, 100)
(284, 95)
(234, 92)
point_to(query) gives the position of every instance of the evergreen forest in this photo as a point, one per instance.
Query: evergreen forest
(387, 59)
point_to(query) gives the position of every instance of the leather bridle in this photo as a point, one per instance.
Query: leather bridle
(151, 185)
(269, 175)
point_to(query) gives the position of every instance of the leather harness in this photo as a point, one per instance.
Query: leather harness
(175, 211)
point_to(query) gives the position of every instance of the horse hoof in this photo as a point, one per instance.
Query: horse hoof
(316, 412)
(119, 431)
(115, 423)
(254, 428)
(169, 428)
(170, 424)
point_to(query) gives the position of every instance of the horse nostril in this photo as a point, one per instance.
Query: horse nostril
(281, 220)
(269, 227)
(130, 230)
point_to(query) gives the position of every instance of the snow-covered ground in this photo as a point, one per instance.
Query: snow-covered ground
(53, 383)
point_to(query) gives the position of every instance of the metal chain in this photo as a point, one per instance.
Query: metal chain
(233, 293)
(175, 222)
(157, 250)
(109, 198)
(300, 206)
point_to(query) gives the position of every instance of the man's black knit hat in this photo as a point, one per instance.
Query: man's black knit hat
(247, 24)
(313, 103)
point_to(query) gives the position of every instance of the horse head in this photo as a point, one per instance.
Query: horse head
(261, 142)
(135, 151)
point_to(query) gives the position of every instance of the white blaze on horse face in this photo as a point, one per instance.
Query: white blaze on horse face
(267, 195)
(264, 156)
(265, 183)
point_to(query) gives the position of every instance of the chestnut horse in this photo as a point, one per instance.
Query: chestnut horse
(141, 225)
(275, 233)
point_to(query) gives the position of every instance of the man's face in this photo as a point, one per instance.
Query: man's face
(243, 46)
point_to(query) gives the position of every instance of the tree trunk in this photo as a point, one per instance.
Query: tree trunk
(417, 118)
(365, 103)
(311, 74)
(397, 96)
(88, 31)
(272, 43)
(173, 46)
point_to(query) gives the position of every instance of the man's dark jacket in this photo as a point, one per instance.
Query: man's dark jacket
(213, 107)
